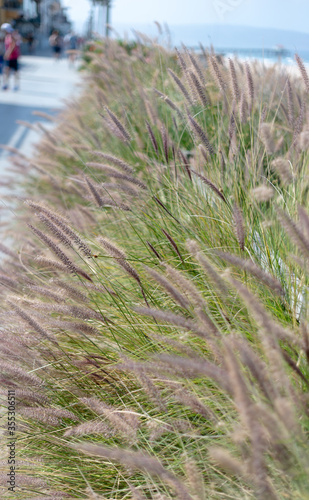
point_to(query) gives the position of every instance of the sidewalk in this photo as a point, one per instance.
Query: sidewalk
(44, 85)
(44, 82)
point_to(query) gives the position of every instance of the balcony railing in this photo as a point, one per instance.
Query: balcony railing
(12, 4)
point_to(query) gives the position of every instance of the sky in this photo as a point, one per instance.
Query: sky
(280, 14)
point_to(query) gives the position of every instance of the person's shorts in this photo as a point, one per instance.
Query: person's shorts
(1, 64)
(57, 49)
(12, 64)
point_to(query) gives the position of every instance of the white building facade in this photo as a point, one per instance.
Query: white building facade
(53, 16)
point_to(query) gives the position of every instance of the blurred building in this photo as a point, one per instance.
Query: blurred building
(53, 16)
(30, 9)
(41, 15)
(10, 9)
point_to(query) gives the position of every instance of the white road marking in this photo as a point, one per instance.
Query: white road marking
(30, 139)
(13, 141)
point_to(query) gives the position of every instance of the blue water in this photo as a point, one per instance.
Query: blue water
(242, 40)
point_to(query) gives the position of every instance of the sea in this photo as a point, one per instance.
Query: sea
(243, 41)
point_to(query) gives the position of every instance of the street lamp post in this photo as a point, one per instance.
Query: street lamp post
(107, 5)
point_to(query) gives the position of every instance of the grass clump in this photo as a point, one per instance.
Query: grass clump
(154, 299)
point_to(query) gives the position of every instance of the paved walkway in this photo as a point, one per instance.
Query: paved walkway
(44, 85)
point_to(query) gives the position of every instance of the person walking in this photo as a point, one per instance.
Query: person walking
(71, 43)
(2, 50)
(31, 42)
(56, 42)
(12, 52)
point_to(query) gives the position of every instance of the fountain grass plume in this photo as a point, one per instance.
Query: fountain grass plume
(184, 378)
(59, 253)
(181, 86)
(200, 133)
